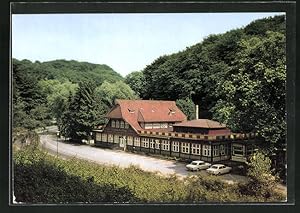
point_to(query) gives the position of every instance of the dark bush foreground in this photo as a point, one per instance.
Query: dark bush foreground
(40, 178)
(45, 182)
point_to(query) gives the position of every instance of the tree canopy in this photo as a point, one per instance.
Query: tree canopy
(57, 94)
(81, 115)
(237, 78)
(72, 70)
(136, 81)
(187, 106)
(29, 103)
(41, 91)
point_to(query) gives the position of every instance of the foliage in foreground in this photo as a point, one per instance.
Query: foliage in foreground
(261, 178)
(41, 178)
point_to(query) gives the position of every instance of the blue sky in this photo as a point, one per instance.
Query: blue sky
(125, 42)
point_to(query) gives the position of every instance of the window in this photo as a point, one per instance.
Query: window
(156, 125)
(237, 150)
(137, 141)
(110, 138)
(165, 145)
(98, 136)
(164, 125)
(185, 148)
(148, 125)
(117, 139)
(175, 146)
(113, 123)
(145, 142)
(171, 111)
(206, 150)
(250, 150)
(131, 110)
(170, 125)
(122, 124)
(104, 137)
(117, 124)
(196, 148)
(216, 150)
(224, 149)
(157, 144)
(152, 142)
(130, 140)
(126, 125)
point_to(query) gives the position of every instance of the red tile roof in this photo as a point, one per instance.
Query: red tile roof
(135, 111)
(202, 123)
(115, 112)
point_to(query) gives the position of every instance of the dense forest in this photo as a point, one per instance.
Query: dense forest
(44, 91)
(237, 78)
(73, 71)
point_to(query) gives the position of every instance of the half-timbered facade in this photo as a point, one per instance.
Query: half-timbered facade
(160, 127)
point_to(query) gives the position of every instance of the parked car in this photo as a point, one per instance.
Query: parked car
(218, 169)
(197, 165)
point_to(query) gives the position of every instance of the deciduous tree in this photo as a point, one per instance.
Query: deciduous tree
(136, 81)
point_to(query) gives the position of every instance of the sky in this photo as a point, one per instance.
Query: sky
(125, 42)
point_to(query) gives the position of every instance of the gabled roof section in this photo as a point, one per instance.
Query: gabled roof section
(202, 123)
(115, 112)
(135, 111)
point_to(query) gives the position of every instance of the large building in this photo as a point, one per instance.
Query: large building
(160, 127)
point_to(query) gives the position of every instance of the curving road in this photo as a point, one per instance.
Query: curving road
(121, 158)
(124, 159)
(110, 157)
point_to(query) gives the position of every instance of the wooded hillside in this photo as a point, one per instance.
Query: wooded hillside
(72, 70)
(43, 91)
(237, 78)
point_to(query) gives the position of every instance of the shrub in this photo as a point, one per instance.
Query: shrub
(261, 182)
(41, 178)
(22, 137)
(38, 180)
(210, 189)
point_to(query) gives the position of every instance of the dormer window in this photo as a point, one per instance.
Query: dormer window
(171, 111)
(121, 124)
(131, 110)
(113, 124)
(126, 125)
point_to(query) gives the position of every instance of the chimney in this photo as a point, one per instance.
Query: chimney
(197, 111)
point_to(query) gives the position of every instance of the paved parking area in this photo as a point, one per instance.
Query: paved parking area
(122, 159)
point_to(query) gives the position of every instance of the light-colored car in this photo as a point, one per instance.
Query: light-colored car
(218, 169)
(197, 165)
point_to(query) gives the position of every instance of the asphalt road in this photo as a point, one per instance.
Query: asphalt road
(122, 159)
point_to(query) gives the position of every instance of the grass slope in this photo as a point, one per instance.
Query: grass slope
(42, 178)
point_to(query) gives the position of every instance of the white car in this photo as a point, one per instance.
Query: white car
(197, 165)
(218, 169)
